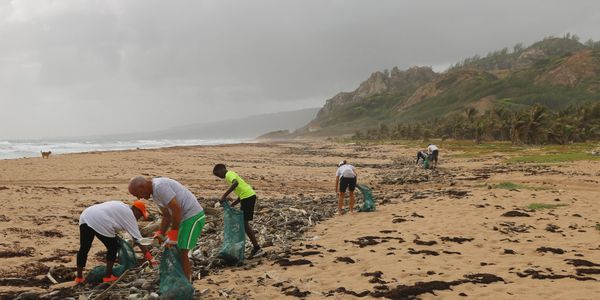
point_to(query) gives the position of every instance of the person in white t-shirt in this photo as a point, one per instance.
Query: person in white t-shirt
(181, 212)
(433, 155)
(103, 221)
(345, 178)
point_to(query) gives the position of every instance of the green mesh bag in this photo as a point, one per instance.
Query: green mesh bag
(426, 163)
(125, 260)
(234, 236)
(368, 203)
(174, 285)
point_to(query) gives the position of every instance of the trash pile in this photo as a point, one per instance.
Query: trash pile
(412, 174)
(278, 222)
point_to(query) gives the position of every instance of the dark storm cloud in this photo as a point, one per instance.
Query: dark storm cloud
(74, 67)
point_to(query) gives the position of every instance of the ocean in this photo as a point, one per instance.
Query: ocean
(11, 149)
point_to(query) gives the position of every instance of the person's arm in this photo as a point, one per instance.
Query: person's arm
(166, 219)
(131, 226)
(175, 220)
(235, 202)
(337, 184)
(234, 184)
(175, 214)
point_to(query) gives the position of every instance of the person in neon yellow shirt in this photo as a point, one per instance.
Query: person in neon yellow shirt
(246, 196)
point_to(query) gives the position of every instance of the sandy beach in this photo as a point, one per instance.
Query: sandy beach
(452, 233)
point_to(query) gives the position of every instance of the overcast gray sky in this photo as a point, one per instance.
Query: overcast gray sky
(84, 67)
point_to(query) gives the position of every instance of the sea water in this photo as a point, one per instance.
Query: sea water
(11, 149)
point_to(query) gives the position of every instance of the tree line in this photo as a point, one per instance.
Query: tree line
(535, 124)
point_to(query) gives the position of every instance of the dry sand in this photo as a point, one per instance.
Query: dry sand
(409, 239)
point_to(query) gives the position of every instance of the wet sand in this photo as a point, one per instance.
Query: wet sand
(445, 234)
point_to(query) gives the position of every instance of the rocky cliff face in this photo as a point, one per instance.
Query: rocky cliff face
(572, 70)
(386, 82)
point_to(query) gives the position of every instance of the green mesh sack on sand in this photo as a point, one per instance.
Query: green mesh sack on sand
(426, 163)
(368, 203)
(125, 260)
(174, 285)
(234, 236)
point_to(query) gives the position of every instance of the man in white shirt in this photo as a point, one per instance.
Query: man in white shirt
(181, 212)
(345, 178)
(103, 221)
(433, 155)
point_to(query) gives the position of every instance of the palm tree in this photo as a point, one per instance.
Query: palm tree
(518, 127)
(536, 130)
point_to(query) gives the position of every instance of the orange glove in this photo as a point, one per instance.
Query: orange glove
(172, 235)
(150, 259)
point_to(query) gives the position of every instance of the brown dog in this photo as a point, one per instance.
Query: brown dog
(46, 154)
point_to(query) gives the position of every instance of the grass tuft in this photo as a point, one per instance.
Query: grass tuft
(514, 186)
(538, 206)
(553, 158)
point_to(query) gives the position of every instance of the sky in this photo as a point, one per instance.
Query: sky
(89, 67)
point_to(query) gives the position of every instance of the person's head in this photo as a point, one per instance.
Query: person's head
(341, 163)
(140, 187)
(220, 170)
(429, 145)
(139, 210)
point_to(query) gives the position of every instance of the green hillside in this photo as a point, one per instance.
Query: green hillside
(556, 73)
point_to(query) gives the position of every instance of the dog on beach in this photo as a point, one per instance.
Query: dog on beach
(46, 154)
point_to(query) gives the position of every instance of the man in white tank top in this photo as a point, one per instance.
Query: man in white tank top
(345, 178)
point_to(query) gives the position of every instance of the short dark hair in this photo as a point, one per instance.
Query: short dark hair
(219, 167)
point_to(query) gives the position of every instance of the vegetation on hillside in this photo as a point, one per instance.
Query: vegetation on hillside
(534, 124)
(507, 59)
(546, 93)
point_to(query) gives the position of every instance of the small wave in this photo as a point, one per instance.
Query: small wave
(10, 150)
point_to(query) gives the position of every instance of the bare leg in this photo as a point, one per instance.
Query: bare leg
(250, 233)
(351, 203)
(185, 264)
(341, 203)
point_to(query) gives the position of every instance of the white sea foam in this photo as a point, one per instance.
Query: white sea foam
(19, 149)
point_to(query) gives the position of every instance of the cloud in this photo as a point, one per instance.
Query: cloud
(75, 67)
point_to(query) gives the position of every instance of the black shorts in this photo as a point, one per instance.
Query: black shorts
(434, 156)
(347, 183)
(248, 207)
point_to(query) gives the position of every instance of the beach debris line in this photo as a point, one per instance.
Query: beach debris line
(419, 288)
(459, 240)
(373, 240)
(515, 213)
(280, 221)
(550, 249)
